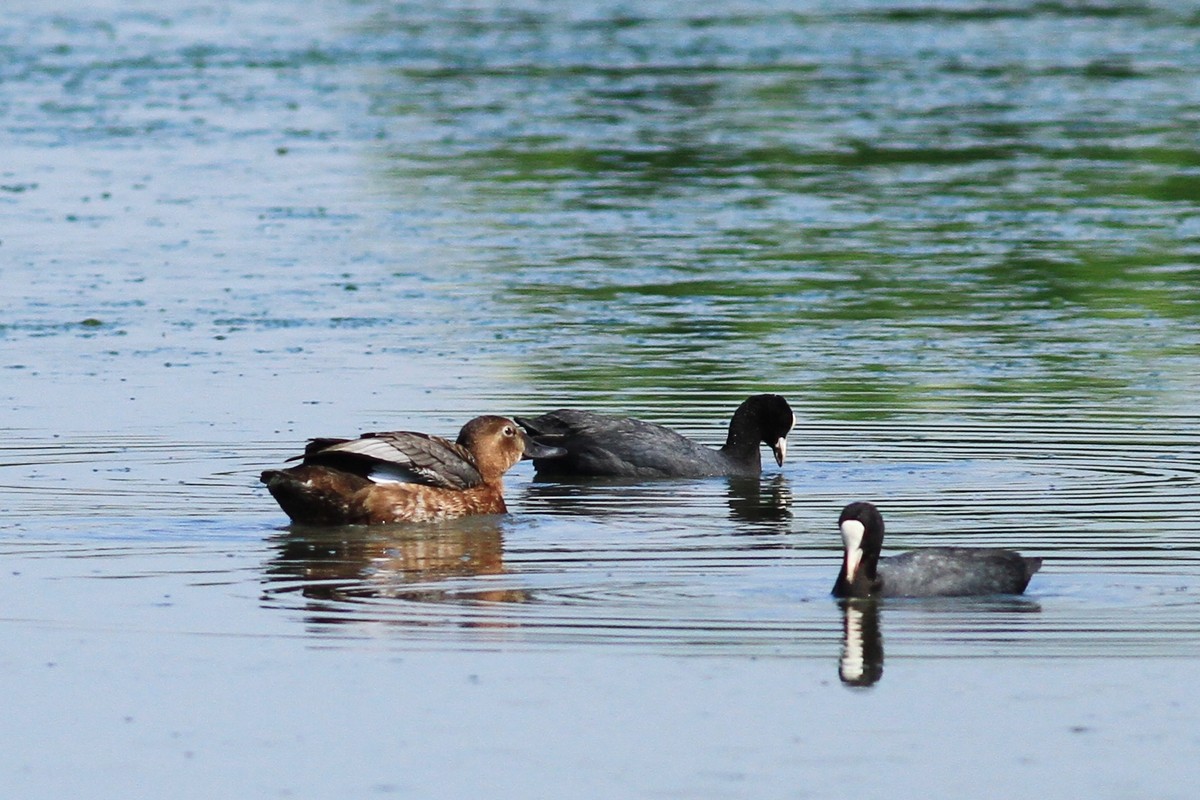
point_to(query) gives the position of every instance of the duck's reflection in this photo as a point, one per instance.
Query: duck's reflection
(861, 664)
(409, 561)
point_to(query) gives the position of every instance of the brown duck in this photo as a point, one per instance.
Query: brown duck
(402, 476)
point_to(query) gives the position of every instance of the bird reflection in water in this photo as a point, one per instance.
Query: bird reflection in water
(405, 561)
(995, 620)
(765, 502)
(861, 664)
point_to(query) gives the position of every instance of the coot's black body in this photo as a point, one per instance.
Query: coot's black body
(605, 445)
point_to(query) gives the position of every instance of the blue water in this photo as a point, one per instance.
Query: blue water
(961, 238)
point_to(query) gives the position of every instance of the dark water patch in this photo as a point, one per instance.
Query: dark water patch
(950, 13)
(1176, 189)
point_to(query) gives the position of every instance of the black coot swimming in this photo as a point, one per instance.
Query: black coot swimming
(604, 445)
(931, 572)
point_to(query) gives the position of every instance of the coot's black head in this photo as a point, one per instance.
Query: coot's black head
(861, 525)
(765, 418)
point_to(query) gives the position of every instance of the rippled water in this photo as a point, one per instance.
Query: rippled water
(716, 565)
(961, 238)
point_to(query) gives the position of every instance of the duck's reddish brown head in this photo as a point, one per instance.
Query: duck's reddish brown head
(497, 443)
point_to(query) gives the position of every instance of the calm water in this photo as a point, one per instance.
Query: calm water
(962, 238)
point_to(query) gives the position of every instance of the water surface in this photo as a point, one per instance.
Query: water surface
(962, 239)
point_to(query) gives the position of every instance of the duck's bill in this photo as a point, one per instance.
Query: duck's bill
(780, 450)
(536, 449)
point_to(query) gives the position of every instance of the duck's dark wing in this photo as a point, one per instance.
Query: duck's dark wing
(400, 457)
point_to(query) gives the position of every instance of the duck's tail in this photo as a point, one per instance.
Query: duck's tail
(315, 495)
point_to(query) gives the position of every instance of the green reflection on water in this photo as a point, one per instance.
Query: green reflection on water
(903, 209)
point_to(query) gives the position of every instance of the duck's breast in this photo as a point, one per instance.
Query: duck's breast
(407, 502)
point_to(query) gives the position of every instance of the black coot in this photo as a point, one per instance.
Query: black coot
(932, 572)
(604, 445)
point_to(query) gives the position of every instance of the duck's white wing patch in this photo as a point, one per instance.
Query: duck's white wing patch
(393, 473)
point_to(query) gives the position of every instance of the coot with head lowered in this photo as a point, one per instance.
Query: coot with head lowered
(605, 445)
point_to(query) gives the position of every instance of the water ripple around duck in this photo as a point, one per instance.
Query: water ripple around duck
(714, 564)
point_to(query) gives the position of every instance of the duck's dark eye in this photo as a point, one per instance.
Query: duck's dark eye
(509, 431)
